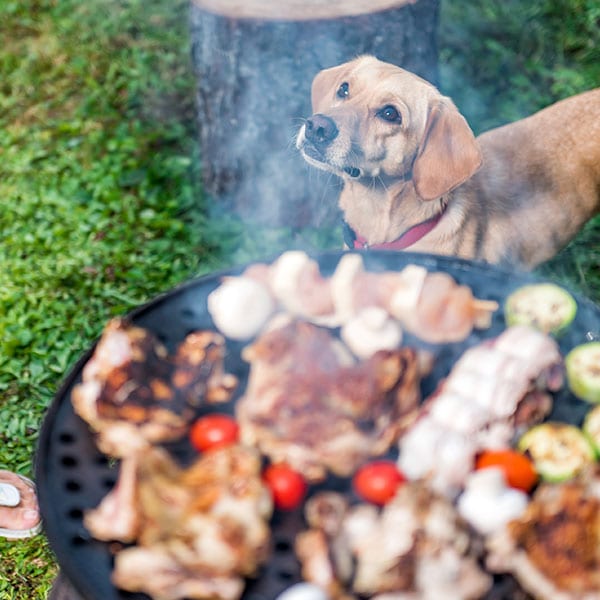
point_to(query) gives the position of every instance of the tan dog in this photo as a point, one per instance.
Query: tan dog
(415, 176)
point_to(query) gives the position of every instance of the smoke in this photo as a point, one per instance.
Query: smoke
(254, 80)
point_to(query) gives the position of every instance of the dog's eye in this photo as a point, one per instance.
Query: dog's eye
(390, 114)
(343, 91)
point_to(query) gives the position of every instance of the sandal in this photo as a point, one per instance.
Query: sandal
(17, 496)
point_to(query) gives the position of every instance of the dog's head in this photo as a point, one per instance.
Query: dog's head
(375, 121)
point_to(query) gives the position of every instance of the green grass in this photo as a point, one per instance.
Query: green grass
(101, 206)
(101, 203)
(501, 61)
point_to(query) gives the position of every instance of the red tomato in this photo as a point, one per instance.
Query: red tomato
(377, 481)
(288, 487)
(214, 431)
(518, 469)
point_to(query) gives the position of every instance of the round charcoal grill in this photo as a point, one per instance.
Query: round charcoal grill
(73, 476)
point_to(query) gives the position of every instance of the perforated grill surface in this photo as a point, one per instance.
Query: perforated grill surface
(73, 476)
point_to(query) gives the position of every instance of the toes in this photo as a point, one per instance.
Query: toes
(23, 519)
(18, 518)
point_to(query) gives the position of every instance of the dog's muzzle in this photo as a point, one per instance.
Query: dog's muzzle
(319, 132)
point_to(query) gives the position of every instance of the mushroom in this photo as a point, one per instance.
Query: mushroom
(488, 503)
(371, 330)
(240, 307)
(303, 591)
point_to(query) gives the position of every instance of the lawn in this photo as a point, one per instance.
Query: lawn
(102, 208)
(501, 61)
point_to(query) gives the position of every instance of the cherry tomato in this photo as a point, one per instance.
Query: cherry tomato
(518, 469)
(214, 431)
(378, 481)
(288, 487)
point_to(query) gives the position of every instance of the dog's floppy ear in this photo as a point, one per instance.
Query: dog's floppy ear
(448, 155)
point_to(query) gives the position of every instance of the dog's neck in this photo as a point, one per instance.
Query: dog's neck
(380, 214)
(406, 240)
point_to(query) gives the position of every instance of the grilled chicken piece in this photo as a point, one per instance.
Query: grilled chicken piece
(415, 547)
(117, 516)
(553, 549)
(133, 392)
(308, 404)
(203, 528)
(493, 389)
(155, 571)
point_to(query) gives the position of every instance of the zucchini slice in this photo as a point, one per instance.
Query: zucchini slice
(559, 451)
(544, 306)
(591, 427)
(582, 365)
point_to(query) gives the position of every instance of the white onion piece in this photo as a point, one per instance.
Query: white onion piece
(343, 289)
(285, 276)
(410, 282)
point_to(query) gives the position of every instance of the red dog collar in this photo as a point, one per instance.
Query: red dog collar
(408, 238)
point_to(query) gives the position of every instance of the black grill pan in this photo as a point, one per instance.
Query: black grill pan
(73, 476)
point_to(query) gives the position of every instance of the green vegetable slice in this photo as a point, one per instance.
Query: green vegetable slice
(583, 371)
(559, 451)
(591, 427)
(545, 306)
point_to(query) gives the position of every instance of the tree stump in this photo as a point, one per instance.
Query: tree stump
(255, 61)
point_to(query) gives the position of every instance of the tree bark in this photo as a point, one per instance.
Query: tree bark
(255, 61)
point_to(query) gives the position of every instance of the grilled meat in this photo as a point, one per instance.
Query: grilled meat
(203, 528)
(117, 516)
(308, 404)
(155, 571)
(415, 547)
(553, 549)
(134, 392)
(479, 405)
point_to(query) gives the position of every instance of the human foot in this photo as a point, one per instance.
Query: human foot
(19, 511)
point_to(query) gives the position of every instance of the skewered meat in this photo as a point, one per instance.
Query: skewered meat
(430, 305)
(297, 283)
(477, 405)
(415, 547)
(553, 549)
(134, 392)
(203, 528)
(308, 404)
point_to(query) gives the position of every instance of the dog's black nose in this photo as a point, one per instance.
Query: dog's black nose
(320, 129)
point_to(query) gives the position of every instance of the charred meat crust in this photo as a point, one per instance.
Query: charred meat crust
(307, 405)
